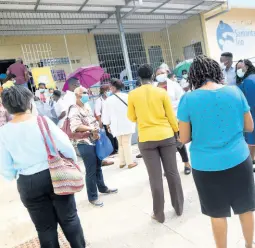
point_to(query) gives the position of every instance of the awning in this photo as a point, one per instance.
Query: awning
(35, 17)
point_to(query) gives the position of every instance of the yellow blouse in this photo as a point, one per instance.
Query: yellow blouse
(151, 108)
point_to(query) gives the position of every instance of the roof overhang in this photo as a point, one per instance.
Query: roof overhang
(32, 17)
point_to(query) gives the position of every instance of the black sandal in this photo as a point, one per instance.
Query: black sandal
(187, 170)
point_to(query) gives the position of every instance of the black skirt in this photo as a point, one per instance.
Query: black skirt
(220, 191)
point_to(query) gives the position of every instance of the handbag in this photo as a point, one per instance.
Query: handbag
(73, 135)
(104, 146)
(66, 176)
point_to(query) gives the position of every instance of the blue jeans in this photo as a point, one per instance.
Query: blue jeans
(94, 174)
(24, 85)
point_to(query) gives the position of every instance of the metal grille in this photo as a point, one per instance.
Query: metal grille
(193, 50)
(111, 57)
(147, 47)
(38, 55)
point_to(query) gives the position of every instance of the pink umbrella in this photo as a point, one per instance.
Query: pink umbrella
(88, 76)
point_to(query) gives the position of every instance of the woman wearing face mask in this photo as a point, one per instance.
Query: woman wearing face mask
(245, 79)
(41, 93)
(175, 93)
(184, 83)
(83, 120)
(23, 157)
(115, 117)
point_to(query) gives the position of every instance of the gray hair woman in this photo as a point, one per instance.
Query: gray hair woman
(23, 156)
(83, 120)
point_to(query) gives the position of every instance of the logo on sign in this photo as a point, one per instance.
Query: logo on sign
(229, 37)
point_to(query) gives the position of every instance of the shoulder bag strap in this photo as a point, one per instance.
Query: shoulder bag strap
(121, 99)
(68, 112)
(40, 124)
(49, 134)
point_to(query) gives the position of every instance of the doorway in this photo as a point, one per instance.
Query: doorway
(156, 56)
(4, 65)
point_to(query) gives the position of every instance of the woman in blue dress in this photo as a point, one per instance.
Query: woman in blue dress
(245, 78)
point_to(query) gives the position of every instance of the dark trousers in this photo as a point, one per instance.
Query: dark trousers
(113, 140)
(153, 152)
(184, 154)
(94, 174)
(47, 210)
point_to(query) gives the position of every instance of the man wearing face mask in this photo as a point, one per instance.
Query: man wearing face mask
(228, 69)
(82, 119)
(184, 83)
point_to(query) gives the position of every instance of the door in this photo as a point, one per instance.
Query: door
(156, 56)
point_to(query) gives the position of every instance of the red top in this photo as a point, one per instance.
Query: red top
(19, 70)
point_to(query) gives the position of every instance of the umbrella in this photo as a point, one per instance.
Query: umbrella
(185, 65)
(88, 76)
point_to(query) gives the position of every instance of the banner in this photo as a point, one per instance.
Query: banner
(43, 75)
(237, 38)
(232, 32)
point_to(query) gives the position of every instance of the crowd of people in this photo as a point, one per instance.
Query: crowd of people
(212, 107)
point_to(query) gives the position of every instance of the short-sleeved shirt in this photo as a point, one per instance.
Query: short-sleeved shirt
(19, 70)
(230, 76)
(217, 122)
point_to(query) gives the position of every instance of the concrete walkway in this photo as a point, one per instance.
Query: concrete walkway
(124, 221)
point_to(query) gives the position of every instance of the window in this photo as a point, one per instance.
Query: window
(193, 50)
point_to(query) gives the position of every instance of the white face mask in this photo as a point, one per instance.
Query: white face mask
(223, 67)
(240, 73)
(185, 76)
(161, 78)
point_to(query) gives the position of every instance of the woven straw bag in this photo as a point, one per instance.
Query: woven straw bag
(66, 176)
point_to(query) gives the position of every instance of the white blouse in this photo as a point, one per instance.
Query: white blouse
(175, 93)
(115, 115)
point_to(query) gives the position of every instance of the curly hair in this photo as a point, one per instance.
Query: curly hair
(204, 69)
(251, 70)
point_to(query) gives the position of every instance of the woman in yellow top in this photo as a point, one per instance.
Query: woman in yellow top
(151, 108)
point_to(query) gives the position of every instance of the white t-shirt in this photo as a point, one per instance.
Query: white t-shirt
(115, 115)
(99, 106)
(184, 83)
(59, 108)
(175, 93)
(68, 100)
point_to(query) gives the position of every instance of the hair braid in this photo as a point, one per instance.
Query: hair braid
(203, 69)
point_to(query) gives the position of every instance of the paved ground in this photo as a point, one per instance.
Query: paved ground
(124, 221)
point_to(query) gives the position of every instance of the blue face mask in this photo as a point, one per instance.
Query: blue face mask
(108, 93)
(85, 99)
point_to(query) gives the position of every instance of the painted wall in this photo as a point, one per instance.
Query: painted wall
(181, 35)
(80, 47)
(83, 47)
(233, 32)
(184, 34)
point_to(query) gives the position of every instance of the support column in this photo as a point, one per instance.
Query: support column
(66, 45)
(169, 43)
(124, 44)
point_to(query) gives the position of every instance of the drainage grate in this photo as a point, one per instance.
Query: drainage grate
(34, 243)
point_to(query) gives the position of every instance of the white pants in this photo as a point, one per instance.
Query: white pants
(125, 149)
